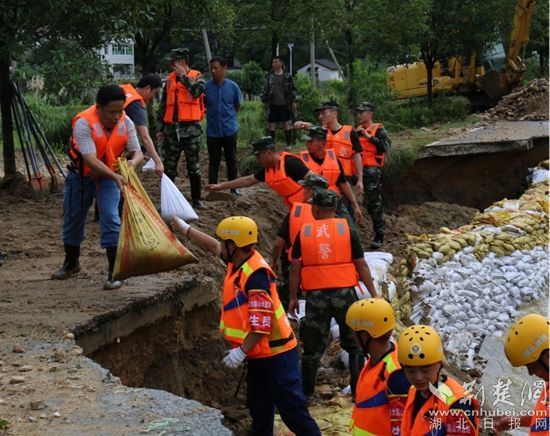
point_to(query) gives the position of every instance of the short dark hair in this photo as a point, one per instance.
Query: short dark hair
(152, 80)
(108, 93)
(220, 60)
(278, 57)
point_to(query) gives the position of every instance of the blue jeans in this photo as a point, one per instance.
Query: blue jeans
(276, 382)
(78, 194)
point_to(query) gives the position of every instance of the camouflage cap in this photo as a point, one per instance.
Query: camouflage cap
(324, 198)
(314, 181)
(179, 53)
(331, 104)
(264, 143)
(365, 106)
(316, 132)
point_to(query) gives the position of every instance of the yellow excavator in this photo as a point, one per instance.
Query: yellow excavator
(459, 75)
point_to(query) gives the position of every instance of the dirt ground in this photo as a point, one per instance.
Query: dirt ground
(37, 309)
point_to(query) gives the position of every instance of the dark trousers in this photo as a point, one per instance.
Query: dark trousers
(215, 145)
(276, 382)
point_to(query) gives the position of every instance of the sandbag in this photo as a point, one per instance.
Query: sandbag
(172, 202)
(149, 166)
(145, 245)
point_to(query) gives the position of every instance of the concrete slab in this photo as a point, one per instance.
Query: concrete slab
(495, 138)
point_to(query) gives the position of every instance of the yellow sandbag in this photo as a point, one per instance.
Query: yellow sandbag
(145, 245)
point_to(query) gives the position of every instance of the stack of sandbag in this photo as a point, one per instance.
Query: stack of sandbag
(469, 282)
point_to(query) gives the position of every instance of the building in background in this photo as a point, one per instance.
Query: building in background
(120, 55)
(325, 70)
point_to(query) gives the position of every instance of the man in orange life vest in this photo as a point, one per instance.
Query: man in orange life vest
(528, 344)
(281, 171)
(254, 322)
(375, 143)
(382, 387)
(180, 113)
(327, 257)
(147, 89)
(437, 404)
(101, 134)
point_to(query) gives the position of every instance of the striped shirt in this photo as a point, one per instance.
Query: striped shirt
(82, 134)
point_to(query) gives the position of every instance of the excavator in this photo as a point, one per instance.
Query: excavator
(494, 74)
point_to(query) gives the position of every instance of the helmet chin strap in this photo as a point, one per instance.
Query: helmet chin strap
(544, 365)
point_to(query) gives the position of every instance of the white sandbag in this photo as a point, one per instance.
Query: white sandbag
(540, 175)
(362, 291)
(172, 202)
(149, 166)
(379, 263)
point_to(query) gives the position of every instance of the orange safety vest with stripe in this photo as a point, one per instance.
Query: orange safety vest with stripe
(131, 95)
(377, 411)
(290, 190)
(434, 411)
(189, 107)
(235, 322)
(300, 214)
(107, 148)
(370, 155)
(329, 169)
(341, 144)
(326, 255)
(540, 420)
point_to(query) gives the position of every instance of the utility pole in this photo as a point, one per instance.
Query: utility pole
(206, 46)
(335, 61)
(277, 50)
(312, 51)
(290, 46)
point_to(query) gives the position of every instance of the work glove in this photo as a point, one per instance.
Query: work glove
(234, 357)
(179, 223)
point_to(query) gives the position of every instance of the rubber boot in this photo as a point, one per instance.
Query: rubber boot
(288, 138)
(110, 283)
(71, 264)
(195, 182)
(309, 375)
(271, 133)
(377, 242)
(356, 362)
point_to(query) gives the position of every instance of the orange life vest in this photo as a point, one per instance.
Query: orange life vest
(424, 421)
(370, 155)
(290, 190)
(329, 168)
(540, 421)
(300, 214)
(131, 95)
(107, 149)
(377, 411)
(341, 143)
(189, 108)
(326, 255)
(235, 323)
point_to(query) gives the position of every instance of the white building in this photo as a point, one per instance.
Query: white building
(120, 55)
(325, 70)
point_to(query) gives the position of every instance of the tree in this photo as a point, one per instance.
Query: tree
(252, 78)
(26, 23)
(538, 40)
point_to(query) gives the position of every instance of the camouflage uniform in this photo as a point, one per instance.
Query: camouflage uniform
(321, 306)
(372, 181)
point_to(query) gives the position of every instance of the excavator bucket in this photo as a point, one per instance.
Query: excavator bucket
(495, 84)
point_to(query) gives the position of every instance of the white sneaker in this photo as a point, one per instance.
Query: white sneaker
(112, 284)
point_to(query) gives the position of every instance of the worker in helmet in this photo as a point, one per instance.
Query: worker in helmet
(527, 344)
(382, 387)
(433, 394)
(255, 324)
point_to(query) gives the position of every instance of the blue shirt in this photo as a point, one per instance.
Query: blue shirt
(221, 103)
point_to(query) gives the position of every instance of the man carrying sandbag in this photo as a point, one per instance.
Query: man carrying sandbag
(254, 322)
(101, 134)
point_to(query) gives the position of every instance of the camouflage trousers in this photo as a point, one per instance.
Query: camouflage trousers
(172, 148)
(321, 306)
(372, 181)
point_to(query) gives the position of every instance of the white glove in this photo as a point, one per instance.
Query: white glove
(181, 224)
(234, 357)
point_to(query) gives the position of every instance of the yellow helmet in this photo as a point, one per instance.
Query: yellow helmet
(419, 345)
(373, 315)
(241, 230)
(527, 338)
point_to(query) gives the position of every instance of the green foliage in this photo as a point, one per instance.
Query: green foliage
(249, 165)
(252, 121)
(4, 424)
(252, 79)
(310, 98)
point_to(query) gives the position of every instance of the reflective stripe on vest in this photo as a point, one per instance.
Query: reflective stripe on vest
(326, 255)
(290, 190)
(131, 95)
(108, 148)
(235, 323)
(328, 169)
(340, 142)
(370, 156)
(189, 107)
(540, 420)
(300, 214)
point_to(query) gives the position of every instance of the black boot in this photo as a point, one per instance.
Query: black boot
(356, 362)
(195, 182)
(110, 283)
(288, 138)
(309, 376)
(71, 264)
(377, 242)
(271, 133)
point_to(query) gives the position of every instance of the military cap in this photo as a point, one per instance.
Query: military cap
(331, 104)
(316, 132)
(314, 181)
(365, 106)
(179, 53)
(324, 198)
(264, 143)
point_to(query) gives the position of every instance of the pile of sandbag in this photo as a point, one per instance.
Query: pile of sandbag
(470, 281)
